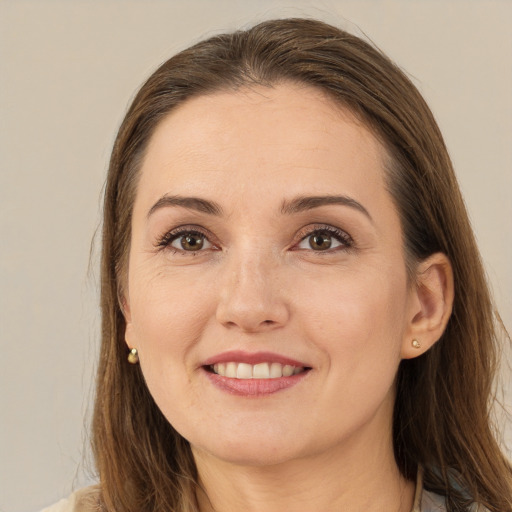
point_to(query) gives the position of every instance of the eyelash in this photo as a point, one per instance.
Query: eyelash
(169, 237)
(339, 235)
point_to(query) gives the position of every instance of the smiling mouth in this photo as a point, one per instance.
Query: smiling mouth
(244, 371)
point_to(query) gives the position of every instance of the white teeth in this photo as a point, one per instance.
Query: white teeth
(231, 370)
(287, 370)
(276, 370)
(258, 371)
(244, 371)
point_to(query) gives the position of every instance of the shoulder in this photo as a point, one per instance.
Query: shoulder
(83, 500)
(431, 502)
(428, 501)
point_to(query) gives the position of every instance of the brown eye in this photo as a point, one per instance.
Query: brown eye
(190, 242)
(320, 241)
(327, 239)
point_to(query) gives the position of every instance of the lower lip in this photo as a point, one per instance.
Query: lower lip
(254, 387)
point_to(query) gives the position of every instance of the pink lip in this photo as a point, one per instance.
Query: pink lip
(237, 356)
(253, 387)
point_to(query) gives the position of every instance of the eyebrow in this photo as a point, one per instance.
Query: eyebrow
(297, 205)
(304, 203)
(192, 203)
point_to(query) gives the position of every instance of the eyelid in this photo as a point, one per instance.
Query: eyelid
(339, 234)
(164, 241)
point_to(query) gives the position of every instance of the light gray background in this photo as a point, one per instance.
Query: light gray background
(67, 72)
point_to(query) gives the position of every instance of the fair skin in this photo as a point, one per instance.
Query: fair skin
(265, 275)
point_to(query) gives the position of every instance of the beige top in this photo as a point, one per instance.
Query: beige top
(86, 500)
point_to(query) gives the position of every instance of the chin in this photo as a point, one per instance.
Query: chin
(261, 455)
(263, 449)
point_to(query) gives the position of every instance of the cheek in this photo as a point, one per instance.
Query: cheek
(358, 319)
(168, 316)
(358, 325)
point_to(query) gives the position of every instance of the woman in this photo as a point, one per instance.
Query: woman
(295, 315)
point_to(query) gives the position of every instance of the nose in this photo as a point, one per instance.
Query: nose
(252, 294)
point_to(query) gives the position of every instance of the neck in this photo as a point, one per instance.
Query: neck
(357, 477)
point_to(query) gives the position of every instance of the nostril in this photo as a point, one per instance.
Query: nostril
(251, 312)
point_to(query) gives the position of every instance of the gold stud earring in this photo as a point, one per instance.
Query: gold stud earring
(416, 344)
(133, 356)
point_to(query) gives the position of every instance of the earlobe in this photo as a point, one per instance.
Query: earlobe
(431, 305)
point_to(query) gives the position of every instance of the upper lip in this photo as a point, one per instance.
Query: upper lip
(238, 356)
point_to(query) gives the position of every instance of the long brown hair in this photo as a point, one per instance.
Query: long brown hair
(444, 398)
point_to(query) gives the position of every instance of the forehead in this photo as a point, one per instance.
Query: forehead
(270, 140)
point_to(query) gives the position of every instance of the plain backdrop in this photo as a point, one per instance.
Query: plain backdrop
(68, 70)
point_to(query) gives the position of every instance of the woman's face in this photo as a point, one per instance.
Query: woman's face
(265, 244)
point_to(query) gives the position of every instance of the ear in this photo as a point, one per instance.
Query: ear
(430, 306)
(125, 309)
